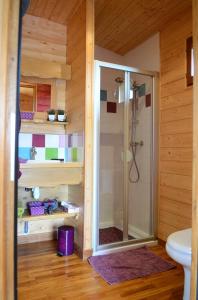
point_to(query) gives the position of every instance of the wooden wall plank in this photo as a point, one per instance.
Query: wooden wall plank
(177, 181)
(194, 275)
(89, 127)
(175, 166)
(176, 113)
(43, 39)
(9, 22)
(175, 154)
(75, 92)
(178, 194)
(178, 140)
(179, 99)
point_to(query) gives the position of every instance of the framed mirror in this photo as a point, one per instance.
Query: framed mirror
(27, 97)
(35, 97)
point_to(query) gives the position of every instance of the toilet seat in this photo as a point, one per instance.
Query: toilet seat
(181, 241)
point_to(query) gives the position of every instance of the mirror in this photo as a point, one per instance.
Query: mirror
(35, 97)
(27, 97)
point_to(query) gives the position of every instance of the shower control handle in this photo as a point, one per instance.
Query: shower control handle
(141, 143)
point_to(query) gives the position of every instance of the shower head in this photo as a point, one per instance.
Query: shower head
(135, 86)
(119, 80)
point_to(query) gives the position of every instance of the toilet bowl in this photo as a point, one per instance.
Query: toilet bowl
(178, 247)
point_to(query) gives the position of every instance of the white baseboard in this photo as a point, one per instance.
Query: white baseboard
(137, 233)
(106, 224)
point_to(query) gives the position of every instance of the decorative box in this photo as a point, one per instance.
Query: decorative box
(36, 210)
(34, 203)
(27, 115)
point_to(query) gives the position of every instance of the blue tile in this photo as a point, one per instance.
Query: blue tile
(66, 155)
(69, 154)
(24, 152)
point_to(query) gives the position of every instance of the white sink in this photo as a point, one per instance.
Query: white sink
(43, 161)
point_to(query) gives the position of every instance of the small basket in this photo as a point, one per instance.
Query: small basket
(26, 115)
(34, 203)
(36, 210)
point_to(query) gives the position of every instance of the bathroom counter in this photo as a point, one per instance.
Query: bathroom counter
(56, 215)
(49, 174)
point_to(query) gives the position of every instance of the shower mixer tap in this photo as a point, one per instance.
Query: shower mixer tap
(141, 143)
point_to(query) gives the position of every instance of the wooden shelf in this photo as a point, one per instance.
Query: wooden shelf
(50, 174)
(43, 126)
(53, 164)
(56, 215)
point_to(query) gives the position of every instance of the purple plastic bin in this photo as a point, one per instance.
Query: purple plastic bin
(65, 240)
(34, 203)
(27, 115)
(36, 210)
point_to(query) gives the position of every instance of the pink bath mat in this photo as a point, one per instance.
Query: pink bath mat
(127, 265)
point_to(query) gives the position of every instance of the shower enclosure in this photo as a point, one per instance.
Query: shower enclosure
(125, 156)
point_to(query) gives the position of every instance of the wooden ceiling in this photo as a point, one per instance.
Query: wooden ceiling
(57, 11)
(120, 25)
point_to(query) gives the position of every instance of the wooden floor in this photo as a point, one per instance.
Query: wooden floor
(42, 275)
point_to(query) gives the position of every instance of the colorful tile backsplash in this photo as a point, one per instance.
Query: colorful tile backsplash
(69, 147)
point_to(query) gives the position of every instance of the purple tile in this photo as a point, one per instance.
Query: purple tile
(62, 141)
(69, 140)
(148, 100)
(38, 140)
(111, 107)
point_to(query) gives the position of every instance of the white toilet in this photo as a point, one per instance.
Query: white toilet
(178, 247)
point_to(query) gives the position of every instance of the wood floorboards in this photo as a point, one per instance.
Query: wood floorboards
(44, 276)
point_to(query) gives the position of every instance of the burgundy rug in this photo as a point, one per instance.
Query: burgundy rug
(126, 265)
(111, 235)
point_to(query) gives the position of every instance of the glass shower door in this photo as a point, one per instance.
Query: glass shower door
(111, 158)
(125, 147)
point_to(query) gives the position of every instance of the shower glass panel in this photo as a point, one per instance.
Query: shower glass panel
(111, 183)
(140, 208)
(125, 147)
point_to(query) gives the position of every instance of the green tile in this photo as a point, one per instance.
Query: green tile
(142, 90)
(74, 154)
(51, 153)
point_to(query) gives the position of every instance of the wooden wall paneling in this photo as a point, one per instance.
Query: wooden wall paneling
(34, 174)
(175, 153)
(76, 195)
(75, 95)
(89, 125)
(9, 21)
(194, 277)
(44, 69)
(43, 39)
(76, 57)
(183, 98)
(44, 55)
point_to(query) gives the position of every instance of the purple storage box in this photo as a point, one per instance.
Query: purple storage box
(65, 240)
(36, 210)
(34, 203)
(27, 115)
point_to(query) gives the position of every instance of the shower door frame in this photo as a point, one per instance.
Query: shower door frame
(96, 156)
